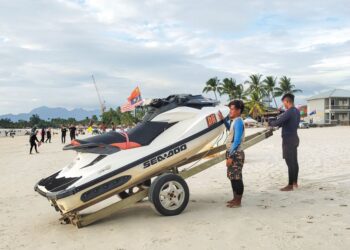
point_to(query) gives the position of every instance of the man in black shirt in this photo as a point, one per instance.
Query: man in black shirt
(33, 139)
(72, 130)
(63, 134)
(289, 121)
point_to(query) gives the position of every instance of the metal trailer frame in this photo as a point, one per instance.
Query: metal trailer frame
(215, 155)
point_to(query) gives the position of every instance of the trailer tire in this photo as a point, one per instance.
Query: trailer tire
(169, 194)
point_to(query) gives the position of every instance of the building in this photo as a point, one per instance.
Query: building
(331, 107)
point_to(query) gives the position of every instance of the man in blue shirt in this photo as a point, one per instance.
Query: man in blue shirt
(289, 121)
(235, 154)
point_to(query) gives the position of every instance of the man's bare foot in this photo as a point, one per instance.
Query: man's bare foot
(236, 202)
(230, 201)
(287, 188)
(295, 185)
(233, 205)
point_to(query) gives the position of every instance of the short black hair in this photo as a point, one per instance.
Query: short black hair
(239, 104)
(289, 97)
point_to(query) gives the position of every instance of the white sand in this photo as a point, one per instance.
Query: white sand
(317, 216)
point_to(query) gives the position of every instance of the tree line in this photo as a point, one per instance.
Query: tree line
(253, 91)
(114, 116)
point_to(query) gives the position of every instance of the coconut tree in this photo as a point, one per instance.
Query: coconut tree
(255, 104)
(227, 87)
(212, 85)
(270, 84)
(239, 92)
(285, 86)
(255, 84)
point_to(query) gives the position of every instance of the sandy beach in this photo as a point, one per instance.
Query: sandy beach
(316, 216)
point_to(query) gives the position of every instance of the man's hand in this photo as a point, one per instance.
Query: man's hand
(229, 162)
(221, 117)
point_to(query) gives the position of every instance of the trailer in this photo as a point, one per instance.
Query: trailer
(169, 184)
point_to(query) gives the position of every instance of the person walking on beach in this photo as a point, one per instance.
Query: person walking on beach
(42, 135)
(113, 126)
(235, 154)
(48, 135)
(63, 134)
(289, 121)
(72, 130)
(33, 139)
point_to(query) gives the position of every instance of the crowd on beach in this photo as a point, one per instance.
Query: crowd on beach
(46, 134)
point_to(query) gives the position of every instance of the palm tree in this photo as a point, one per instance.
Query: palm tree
(255, 105)
(255, 84)
(270, 83)
(239, 92)
(285, 87)
(228, 87)
(212, 85)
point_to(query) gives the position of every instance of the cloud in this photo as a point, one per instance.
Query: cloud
(49, 49)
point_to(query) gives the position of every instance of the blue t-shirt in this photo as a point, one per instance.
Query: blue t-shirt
(239, 129)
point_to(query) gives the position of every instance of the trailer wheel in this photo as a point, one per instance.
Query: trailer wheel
(169, 194)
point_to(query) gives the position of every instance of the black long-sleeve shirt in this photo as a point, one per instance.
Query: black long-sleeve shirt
(289, 121)
(33, 139)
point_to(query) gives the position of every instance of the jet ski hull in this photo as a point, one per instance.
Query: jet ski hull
(94, 177)
(75, 199)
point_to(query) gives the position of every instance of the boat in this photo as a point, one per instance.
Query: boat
(172, 130)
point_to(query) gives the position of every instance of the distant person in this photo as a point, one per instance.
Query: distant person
(42, 135)
(103, 128)
(63, 134)
(48, 135)
(113, 126)
(289, 121)
(33, 139)
(72, 130)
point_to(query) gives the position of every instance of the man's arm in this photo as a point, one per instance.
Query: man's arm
(239, 128)
(281, 120)
(227, 122)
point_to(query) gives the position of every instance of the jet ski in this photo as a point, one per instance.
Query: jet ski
(172, 130)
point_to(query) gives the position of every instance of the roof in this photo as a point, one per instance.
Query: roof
(331, 93)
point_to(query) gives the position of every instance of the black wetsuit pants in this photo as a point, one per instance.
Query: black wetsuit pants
(33, 145)
(290, 154)
(72, 136)
(63, 138)
(237, 186)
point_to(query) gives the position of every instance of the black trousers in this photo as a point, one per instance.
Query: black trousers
(237, 186)
(290, 154)
(63, 138)
(33, 145)
(72, 137)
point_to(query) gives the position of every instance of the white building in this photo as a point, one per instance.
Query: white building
(332, 107)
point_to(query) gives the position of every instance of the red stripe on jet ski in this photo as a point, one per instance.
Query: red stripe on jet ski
(126, 145)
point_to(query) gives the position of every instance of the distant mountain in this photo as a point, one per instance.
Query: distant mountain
(47, 112)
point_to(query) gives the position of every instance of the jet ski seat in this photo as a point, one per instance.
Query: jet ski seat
(142, 134)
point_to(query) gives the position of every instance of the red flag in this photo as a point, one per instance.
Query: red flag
(134, 100)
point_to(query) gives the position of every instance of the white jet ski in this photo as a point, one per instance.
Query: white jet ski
(173, 130)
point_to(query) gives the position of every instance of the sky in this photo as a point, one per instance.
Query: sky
(50, 48)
